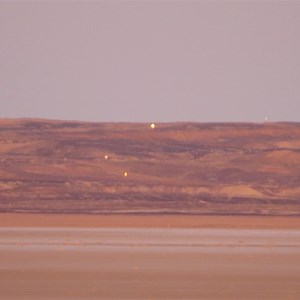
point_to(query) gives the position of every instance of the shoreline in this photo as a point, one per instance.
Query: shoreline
(147, 221)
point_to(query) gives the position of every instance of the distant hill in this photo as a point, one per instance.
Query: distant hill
(175, 168)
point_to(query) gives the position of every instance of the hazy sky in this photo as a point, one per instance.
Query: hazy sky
(150, 60)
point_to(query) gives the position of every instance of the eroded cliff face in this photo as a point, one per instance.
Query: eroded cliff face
(194, 168)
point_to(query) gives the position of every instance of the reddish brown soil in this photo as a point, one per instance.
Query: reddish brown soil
(148, 221)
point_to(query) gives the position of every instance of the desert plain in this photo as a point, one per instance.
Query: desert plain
(206, 211)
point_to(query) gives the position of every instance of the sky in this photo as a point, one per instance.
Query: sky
(144, 61)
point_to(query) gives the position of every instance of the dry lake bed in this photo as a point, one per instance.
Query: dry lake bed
(149, 263)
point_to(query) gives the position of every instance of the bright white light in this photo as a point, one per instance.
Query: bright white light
(152, 125)
(125, 174)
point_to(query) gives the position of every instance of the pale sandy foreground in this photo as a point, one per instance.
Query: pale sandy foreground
(153, 263)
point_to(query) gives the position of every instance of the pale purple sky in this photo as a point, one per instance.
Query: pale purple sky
(150, 60)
